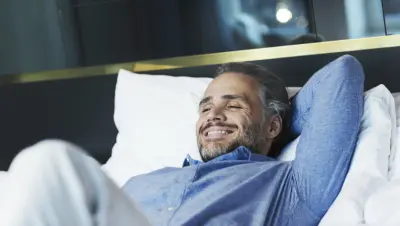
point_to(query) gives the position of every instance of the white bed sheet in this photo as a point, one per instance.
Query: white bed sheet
(381, 208)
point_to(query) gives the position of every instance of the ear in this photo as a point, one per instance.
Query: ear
(273, 127)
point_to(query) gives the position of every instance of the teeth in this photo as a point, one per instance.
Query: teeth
(217, 131)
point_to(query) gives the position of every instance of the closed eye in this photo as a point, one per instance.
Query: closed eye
(205, 110)
(235, 107)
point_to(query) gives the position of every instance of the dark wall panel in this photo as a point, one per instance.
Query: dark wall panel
(79, 110)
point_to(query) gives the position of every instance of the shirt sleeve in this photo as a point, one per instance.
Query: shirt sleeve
(327, 115)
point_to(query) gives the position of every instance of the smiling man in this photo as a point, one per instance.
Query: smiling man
(244, 119)
(233, 111)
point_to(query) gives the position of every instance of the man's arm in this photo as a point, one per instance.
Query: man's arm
(327, 113)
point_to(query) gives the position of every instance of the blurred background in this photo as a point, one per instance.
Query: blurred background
(53, 34)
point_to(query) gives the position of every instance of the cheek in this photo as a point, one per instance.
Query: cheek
(242, 121)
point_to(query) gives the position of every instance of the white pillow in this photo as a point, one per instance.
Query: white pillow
(293, 91)
(155, 116)
(383, 207)
(396, 97)
(3, 182)
(369, 168)
(394, 170)
(288, 153)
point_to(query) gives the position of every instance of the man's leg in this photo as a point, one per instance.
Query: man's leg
(54, 183)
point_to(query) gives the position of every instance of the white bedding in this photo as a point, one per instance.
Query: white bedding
(3, 178)
(368, 174)
(371, 193)
(383, 206)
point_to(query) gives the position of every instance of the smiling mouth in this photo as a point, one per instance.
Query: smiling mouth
(217, 134)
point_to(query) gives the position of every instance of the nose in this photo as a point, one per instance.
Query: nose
(216, 114)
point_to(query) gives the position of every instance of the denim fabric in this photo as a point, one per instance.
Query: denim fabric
(242, 188)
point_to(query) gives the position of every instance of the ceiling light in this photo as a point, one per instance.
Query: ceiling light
(283, 15)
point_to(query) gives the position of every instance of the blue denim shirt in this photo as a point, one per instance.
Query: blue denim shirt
(239, 188)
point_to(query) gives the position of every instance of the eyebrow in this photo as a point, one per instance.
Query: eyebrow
(226, 97)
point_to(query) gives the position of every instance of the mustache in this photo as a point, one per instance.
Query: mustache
(211, 124)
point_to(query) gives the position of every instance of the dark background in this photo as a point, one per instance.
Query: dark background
(48, 34)
(56, 34)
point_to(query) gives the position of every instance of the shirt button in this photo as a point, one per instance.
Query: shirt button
(171, 208)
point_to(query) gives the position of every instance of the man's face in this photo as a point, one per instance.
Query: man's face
(230, 116)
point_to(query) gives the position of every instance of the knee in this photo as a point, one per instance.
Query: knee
(45, 154)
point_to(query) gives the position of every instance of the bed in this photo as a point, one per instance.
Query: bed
(369, 195)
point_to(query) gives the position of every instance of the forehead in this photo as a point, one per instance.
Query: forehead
(233, 84)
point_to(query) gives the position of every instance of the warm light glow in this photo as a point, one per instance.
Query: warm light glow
(283, 15)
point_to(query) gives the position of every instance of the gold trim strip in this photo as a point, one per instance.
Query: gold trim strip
(270, 53)
(210, 59)
(69, 73)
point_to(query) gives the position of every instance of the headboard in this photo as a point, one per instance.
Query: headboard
(78, 104)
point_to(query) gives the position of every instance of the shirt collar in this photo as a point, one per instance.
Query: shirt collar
(240, 153)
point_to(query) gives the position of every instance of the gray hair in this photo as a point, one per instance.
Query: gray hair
(272, 106)
(273, 93)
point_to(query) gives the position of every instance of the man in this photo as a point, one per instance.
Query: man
(243, 117)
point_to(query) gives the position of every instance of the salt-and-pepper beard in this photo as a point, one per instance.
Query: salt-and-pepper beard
(251, 139)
